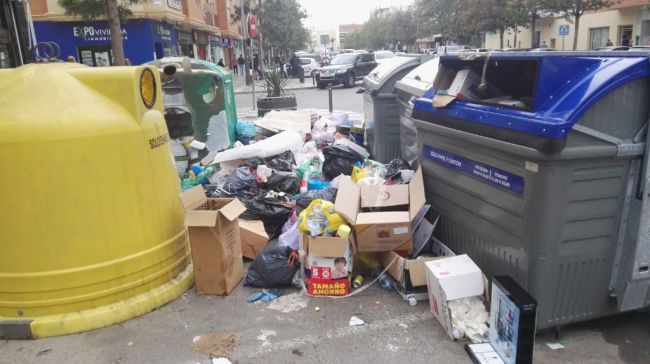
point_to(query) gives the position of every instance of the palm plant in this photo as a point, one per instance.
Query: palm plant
(274, 83)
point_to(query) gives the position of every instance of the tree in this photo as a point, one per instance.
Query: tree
(113, 10)
(442, 17)
(281, 24)
(576, 8)
(537, 9)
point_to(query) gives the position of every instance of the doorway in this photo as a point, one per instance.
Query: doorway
(552, 43)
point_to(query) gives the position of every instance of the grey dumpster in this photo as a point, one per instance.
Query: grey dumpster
(412, 86)
(381, 108)
(537, 164)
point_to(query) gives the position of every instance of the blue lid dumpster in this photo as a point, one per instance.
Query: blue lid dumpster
(92, 229)
(537, 163)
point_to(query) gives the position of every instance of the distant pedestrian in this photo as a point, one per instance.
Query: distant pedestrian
(609, 43)
(242, 65)
(233, 64)
(256, 65)
(71, 59)
(544, 44)
(220, 63)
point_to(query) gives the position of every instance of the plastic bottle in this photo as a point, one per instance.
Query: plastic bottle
(386, 282)
(304, 184)
(411, 300)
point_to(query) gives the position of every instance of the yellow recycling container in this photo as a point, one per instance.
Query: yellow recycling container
(91, 227)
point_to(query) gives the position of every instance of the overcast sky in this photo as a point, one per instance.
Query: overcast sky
(328, 14)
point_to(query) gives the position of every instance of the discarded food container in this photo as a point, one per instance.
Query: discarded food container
(555, 194)
(92, 230)
(213, 226)
(381, 107)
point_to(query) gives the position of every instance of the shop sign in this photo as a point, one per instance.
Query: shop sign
(215, 40)
(226, 43)
(176, 4)
(92, 33)
(163, 33)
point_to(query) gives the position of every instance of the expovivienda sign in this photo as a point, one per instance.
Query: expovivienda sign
(89, 32)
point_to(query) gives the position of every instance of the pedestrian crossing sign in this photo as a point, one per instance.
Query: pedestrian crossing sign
(564, 29)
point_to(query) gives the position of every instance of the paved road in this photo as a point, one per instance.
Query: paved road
(343, 99)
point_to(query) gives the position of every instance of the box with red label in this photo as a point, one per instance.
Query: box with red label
(328, 265)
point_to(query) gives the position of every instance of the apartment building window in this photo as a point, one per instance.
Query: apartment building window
(625, 35)
(598, 37)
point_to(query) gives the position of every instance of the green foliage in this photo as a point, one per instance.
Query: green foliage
(93, 9)
(281, 24)
(384, 30)
(274, 83)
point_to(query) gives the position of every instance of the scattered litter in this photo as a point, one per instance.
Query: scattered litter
(215, 344)
(289, 303)
(43, 352)
(317, 308)
(555, 346)
(265, 295)
(297, 352)
(221, 361)
(130, 343)
(355, 321)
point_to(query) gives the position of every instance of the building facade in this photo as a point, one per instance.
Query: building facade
(624, 23)
(158, 28)
(14, 47)
(323, 40)
(345, 29)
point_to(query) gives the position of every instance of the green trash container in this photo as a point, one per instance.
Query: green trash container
(541, 174)
(209, 96)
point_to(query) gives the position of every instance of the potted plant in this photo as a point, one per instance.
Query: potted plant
(276, 97)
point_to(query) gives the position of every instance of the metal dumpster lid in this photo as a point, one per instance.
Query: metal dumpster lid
(420, 78)
(568, 85)
(381, 74)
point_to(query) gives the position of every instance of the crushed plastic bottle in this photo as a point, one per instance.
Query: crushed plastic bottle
(411, 300)
(386, 282)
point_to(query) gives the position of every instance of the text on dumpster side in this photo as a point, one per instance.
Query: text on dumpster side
(483, 172)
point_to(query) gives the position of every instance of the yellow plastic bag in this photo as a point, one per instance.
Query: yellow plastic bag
(358, 173)
(322, 216)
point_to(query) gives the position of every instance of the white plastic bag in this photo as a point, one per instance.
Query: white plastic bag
(469, 318)
(290, 238)
(286, 141)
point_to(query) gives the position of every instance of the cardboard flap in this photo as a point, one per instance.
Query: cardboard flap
(328, 247)
(204, 218)
(347, 199)
(442, 100)
(417, 270)
(193, 198)
(391, 217)
(383, 196)
(416, 194)
(397, 269)
(254, 226)
(233, 209)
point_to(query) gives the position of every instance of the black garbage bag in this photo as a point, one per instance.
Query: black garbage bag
(283, 182)
(273, 267)
(339, 159)
(327, 194)
(283, 162)
(242, 179)
(395, 167)
(272, 212)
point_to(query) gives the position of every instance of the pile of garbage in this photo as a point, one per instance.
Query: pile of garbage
(335, 220)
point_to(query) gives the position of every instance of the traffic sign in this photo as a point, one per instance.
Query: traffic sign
(564, 29)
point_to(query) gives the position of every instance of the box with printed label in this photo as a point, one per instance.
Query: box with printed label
(213, 225)
(382, 216)
(328, 265)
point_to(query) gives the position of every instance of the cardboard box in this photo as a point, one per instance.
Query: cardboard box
(383, 230)
(449, 279)
(213, 225)
(253, 237)
(328, 265)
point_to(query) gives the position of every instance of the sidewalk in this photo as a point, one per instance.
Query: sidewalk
(293, 84)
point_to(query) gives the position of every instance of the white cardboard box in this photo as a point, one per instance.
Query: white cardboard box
(449, 279)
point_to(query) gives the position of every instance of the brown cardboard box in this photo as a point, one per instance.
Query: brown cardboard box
(253, 238)
(325, 257)
(213, 226)
(385, 230)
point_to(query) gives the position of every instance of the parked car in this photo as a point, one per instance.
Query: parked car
(346, 69)
(380, 56)
(543, 50)
(309, 66)
(319, 59)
